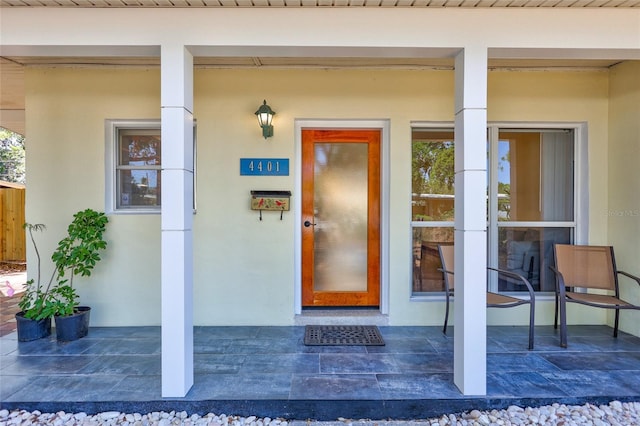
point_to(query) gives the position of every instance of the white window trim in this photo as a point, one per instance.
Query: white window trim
(111, 146)
(581, 172)
(581, 187)
(111, 160)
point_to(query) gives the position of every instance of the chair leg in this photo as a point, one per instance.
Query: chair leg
(563, 323)
(555, 321)
(446, 315)
(532, 322)
(617, 320)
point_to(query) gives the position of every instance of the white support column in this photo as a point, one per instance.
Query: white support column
(470, 319)
(177, 220)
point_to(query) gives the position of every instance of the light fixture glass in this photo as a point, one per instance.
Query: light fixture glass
(265, 118)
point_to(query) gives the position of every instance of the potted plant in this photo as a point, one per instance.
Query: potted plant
(36, 305)
(76, 254)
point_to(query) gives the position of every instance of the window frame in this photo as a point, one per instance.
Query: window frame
(580, 191)
(112, 130)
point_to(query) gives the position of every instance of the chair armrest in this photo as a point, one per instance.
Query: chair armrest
(633, 277)
(560, 287)
(447, 290)
(516, 276)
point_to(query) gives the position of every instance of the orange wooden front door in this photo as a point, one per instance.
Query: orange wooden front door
(340, 217)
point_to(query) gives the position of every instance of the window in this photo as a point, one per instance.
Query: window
(134, 177)
(531, 202)
(138, 176)
(431, 204)
(534, 190)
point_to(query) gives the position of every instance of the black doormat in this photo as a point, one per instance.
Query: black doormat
(335, 335)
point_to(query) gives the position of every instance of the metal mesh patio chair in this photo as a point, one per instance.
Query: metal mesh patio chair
(587, 268)
(494, 300)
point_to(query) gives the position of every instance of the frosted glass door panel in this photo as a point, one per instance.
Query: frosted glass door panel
(340, 194)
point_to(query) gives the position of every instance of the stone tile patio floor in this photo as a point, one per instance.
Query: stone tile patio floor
(269, 372)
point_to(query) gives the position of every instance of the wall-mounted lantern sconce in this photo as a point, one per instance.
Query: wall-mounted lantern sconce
(265, 118)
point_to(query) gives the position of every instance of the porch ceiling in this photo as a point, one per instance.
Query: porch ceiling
(323, 3)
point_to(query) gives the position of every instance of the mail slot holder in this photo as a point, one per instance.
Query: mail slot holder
(270, 201)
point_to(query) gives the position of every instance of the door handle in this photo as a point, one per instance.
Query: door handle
(308, 224)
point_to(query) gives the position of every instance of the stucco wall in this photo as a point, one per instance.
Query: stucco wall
(623, 212)
(66, 109)
(243, 267)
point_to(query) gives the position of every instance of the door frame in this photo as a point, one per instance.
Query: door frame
(383, 125)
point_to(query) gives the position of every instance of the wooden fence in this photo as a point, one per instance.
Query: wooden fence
(12, 235)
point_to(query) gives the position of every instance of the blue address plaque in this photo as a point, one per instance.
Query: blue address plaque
(264, 167)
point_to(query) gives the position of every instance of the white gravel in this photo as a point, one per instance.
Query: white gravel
(615, 413)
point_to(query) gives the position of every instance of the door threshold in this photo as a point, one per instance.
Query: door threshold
(341, 317)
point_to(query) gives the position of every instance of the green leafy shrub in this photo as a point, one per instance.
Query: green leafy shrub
(76, 254)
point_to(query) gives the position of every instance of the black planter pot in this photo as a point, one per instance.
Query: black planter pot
(75, 326)
(29, 329)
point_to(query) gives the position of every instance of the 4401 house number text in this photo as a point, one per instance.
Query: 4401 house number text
(264, 166)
